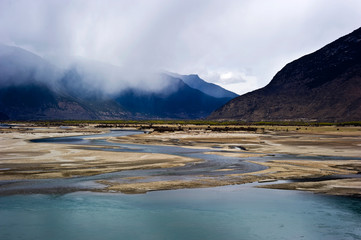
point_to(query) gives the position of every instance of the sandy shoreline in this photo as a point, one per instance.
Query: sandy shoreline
(21, 159)
(311, 143)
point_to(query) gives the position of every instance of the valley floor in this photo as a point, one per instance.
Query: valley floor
(318, 159)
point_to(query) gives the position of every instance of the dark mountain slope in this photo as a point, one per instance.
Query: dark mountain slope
(37, 101)
(322, 86)
(182, 102)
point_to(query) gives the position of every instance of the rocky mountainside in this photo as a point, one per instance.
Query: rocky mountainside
(322, 86)
(31, 88)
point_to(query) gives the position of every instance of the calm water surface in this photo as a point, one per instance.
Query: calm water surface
(236, 212)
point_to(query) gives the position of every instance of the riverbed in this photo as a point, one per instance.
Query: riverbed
(69, 184)
(102, 162)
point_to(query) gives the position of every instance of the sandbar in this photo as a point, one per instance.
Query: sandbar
(21, 159)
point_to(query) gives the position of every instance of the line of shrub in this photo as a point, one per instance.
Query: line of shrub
(122, 123)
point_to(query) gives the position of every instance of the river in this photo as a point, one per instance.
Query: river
(231, 212)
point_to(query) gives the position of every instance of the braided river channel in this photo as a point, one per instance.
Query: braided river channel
(228, 212)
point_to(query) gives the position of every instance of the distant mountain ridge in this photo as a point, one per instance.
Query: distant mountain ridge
(321, 86)
(185, 103)
(31, 89)
(194, 81)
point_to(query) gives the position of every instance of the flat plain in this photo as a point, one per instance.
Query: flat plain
(318, 159)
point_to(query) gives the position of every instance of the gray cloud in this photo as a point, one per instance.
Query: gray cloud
(208, 37)
(18, 66)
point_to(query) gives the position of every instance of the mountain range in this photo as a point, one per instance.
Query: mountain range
(32, 88)
(321, 86)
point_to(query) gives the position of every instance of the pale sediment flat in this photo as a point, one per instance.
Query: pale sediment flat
(341, 187)
(342, 142)
(278, 170)
(311, 141)
(21, 159)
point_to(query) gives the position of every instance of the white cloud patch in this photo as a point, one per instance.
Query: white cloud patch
(183, 36)
(235, 81)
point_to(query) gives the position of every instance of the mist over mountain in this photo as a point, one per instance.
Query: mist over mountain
(18, 66)
(322, 86)
(31, 88)
(178, 100)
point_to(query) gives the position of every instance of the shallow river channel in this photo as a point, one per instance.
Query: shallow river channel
(230, 212)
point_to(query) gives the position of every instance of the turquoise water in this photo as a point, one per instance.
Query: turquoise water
(235, 212)
(231, 212)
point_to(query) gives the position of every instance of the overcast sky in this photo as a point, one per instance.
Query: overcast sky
(239, 44)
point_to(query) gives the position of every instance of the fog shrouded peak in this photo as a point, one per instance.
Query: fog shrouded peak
(33, 88)
(111, 79)
(239, 44)
(18, 66)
